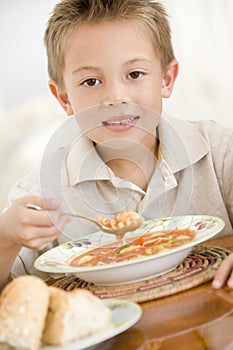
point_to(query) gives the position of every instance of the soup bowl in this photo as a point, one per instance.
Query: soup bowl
(157, 247)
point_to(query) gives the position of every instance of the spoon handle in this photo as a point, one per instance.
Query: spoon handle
(85, 218)
(37, 207)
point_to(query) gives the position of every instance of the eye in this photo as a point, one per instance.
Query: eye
(135, 75)
(91, 82)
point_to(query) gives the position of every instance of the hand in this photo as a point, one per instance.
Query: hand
(21, 226)
(224, 274)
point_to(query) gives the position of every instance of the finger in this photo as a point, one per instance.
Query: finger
(39, 213)
(52, 203)
(49, 233)
(31, 217)
(33, 234)
(44, 203)
(223, 273)
(44, 219)
(36, 200)
(56, 219)
(230, 280)
(39, 243)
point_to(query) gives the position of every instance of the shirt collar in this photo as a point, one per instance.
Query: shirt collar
(83, 162)
(181, 145)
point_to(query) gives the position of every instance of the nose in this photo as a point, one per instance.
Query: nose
(116, 92)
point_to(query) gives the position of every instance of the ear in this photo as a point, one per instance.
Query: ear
(169, 78)
(61, 96)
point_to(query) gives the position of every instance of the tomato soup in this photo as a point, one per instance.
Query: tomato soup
(147, 244)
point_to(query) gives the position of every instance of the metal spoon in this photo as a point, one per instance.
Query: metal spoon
(119, 232)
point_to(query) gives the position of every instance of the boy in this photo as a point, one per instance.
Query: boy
(110, 64)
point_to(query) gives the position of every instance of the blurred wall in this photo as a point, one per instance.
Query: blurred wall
(202, 37)
(23, 68)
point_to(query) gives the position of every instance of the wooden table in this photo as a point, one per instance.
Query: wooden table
(197, 319)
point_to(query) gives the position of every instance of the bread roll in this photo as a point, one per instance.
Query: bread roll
(23, 309)
(73, 315)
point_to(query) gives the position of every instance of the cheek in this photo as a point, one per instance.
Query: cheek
(150, 95)
(156, 105)
(152, 100)
(78, 100)
(81, 102)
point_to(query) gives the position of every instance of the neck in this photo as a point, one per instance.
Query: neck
(129, 160)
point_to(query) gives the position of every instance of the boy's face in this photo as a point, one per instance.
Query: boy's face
(113, 63)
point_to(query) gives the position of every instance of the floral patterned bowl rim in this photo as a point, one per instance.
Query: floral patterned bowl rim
(56, 260)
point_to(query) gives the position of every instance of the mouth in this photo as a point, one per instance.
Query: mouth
(126, 121)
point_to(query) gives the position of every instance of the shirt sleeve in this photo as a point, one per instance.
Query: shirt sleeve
(29, 185)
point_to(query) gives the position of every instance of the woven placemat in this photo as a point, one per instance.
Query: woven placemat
(197, 268)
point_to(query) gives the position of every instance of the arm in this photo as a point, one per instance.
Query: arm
(24, 227)
(8, 254)
(224, 274)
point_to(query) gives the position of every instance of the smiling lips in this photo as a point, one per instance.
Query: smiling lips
(120, 123)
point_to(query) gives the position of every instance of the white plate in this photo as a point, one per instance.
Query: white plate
(56, 259)
(124, 315)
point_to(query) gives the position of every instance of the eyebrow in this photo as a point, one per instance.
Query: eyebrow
(131, 61)
(138, 59)
(83, 68)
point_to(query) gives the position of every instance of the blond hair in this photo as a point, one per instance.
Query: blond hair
(69, 14)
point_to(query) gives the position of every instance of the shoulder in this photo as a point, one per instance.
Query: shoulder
(219, 137)
(211, 129)
(213, 133)
(204, 126)
(196, 140)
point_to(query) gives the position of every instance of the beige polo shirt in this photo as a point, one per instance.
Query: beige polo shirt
(193, 176)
